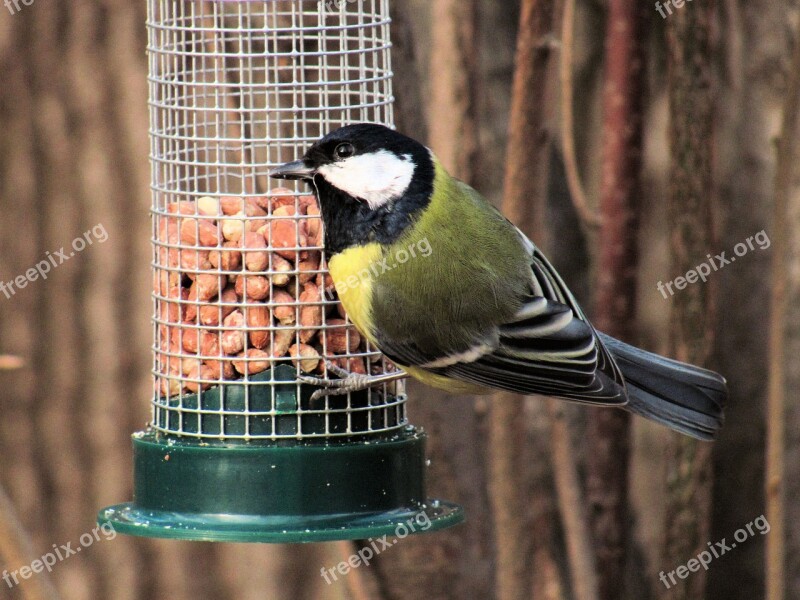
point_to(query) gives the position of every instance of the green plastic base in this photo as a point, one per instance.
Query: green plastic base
(130, 520)
(301, 493)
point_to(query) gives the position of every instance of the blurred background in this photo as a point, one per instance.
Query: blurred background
(629, 140)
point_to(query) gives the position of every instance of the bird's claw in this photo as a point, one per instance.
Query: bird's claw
(347, 382)
(337, 370)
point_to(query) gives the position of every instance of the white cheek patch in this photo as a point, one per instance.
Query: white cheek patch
(377, 177)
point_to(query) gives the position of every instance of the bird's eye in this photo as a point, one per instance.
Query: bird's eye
(344, 150)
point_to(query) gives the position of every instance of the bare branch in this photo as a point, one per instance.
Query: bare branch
(587, 216)
(572, 506)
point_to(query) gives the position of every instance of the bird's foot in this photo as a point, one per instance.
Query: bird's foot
(348, 382)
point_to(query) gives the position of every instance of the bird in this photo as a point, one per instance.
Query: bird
(454, 294)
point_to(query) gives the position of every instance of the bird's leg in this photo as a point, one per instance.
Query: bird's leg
(349, 382)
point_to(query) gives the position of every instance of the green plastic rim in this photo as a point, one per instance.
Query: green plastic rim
(130, 520)
(270, 493)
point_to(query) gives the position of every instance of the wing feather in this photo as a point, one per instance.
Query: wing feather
(548, 347)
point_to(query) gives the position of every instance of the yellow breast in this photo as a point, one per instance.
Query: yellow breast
(352, 275)
(354, 278)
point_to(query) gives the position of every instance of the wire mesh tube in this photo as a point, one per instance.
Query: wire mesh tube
(242, 300)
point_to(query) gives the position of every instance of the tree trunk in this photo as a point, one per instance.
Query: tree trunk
(757, 43)
(608, 430)
(528, 149)
(691, 197)
(775, 483)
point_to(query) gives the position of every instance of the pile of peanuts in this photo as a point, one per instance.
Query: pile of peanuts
(240, 285)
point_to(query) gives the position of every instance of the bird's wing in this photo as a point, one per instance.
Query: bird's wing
(547, 348)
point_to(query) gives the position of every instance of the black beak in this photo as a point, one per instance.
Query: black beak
(297, 169)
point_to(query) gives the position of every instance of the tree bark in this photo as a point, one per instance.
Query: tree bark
(691, 197)
(775, 492)
(757, 42)
(452, 121)
(608, 430)
(524, 203)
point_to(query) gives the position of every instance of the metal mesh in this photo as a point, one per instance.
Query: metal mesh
(242, 301)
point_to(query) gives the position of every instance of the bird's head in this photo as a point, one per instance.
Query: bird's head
(368, 163)
(372, 183)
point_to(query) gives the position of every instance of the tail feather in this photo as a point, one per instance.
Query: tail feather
(686, 398)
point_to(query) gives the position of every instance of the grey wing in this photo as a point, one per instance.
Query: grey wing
(548, 348)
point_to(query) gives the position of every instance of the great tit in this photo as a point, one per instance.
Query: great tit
(482, 308)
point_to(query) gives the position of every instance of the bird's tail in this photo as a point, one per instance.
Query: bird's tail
(686, 398)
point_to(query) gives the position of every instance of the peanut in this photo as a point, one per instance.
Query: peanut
(306, 201)
(195, 260)
(342, 339)
(286, 237)
(353, 365)
(228, 259)
(252, 287)
(261, 201)
(168, 227)
(234, 229)
(253, 208)
(189, 338)
(168, 235)
(230, 205)
(304, 356)
(208, 206)
(168, 386)
(184, 207)
(284, 211)
(190, 310)
(209, 344)
(171, 309)
(222, 369)
(314, 226)
(234, 205)
(281, 340)
(255, 256)
(280, 196)
(234, 337)
(257, 361)
(190, 363)
(307, 268)
(202, 231)
(208, 286)
(258, 320)
(310, 314)
(279, 273)
(202, 372)
(284, 309)
(210, 314)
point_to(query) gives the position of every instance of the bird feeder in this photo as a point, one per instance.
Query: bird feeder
(243, 306)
